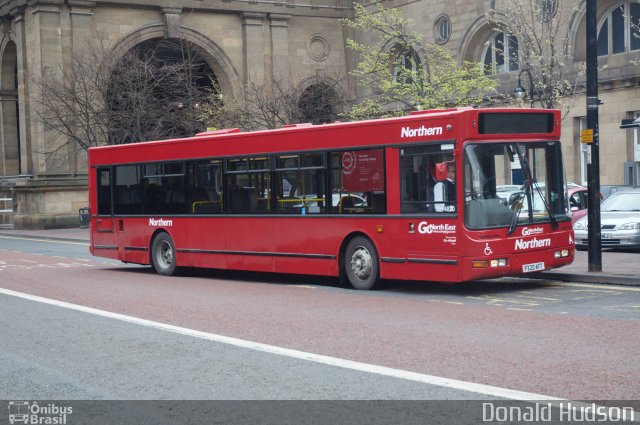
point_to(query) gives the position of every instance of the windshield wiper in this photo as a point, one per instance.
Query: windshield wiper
(552, 218)
(519, 201)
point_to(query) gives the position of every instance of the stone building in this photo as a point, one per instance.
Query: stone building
(257, 39)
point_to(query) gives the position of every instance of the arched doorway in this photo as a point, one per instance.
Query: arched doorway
(10, 142)
(157, 91)
(317, 104)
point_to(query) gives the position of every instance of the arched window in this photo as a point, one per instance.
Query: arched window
(405, 65)
(619, 31)
(500, 54)
(317, 104)
(442, 29)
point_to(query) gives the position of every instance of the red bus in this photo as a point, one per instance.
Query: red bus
(445, 195)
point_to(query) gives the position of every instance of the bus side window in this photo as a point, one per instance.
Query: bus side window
(104, 192)
(242, 200)
(422, 191)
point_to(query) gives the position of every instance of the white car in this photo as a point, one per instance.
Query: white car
(619, 222)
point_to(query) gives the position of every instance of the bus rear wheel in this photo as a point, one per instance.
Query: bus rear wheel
(361, 264)
(163, 254)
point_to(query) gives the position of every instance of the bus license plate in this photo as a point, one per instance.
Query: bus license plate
(534, 267)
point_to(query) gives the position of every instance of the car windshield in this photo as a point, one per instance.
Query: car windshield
(507, 184)
(621, 201)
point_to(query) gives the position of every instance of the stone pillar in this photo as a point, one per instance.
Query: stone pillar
(45, 50)
(24, 116)
(81, 15)
(280, 45)
(9, 148)
(255, 51)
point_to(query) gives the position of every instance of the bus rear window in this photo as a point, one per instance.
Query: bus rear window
(515, 123)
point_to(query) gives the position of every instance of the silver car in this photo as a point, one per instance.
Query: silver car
(619, 220)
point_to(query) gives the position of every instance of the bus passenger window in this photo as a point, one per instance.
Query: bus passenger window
(300, 184)
(127, 194)
(205, 187)
(358, 182)
(427, 179)
(104, 192)
(248, 186)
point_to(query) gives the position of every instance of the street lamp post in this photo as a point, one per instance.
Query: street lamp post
(519, 91)
(593, 168)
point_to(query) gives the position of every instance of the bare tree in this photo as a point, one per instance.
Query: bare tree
(277, 103)
(153, 92)
(542, 30)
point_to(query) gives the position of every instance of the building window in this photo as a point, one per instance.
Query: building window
(501, 54)
(405, 65)
(547, 9)
(442, 29)
(619, 31)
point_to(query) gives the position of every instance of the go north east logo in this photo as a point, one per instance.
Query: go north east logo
(24, 412)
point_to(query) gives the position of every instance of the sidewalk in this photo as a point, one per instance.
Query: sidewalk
(618, 267)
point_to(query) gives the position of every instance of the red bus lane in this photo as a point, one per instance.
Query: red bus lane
(559, 355)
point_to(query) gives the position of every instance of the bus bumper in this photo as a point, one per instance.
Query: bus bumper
(519, 264)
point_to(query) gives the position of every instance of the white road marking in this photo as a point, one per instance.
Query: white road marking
(316, 358)
(44, 240)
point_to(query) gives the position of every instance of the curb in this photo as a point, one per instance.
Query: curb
(593, 277)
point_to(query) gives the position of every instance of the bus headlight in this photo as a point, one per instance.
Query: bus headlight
(561, 254)
(485, 264)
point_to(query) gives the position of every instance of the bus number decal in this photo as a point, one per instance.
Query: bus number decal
(426, 228)
(160, 222)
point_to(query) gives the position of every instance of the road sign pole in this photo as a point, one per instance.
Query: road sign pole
(593, 169)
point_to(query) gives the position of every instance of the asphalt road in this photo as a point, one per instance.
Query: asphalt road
(299, 337)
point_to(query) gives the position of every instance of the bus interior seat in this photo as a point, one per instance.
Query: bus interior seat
(347, 204)
(242, 200)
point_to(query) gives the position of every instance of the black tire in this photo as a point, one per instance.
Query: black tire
(361, 266)
(163, 254)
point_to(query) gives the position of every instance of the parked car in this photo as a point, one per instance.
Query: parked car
(619, 221)
(612, 188)
(577, 202)
(577, 196)
(346, 200)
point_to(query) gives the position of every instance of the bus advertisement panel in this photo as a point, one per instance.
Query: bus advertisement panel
(446, 195)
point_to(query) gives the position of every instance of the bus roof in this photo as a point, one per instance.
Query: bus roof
(419, 126)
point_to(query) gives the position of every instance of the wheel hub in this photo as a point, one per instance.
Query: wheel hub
(361, 263)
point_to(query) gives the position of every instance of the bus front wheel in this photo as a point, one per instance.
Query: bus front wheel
(163, 254)
(361, 264)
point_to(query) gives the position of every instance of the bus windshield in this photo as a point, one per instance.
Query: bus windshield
(507, 184)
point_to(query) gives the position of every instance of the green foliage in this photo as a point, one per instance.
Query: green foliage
(544, 35)
(404, 73)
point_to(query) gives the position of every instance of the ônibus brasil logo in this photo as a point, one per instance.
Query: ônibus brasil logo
(24, 412)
